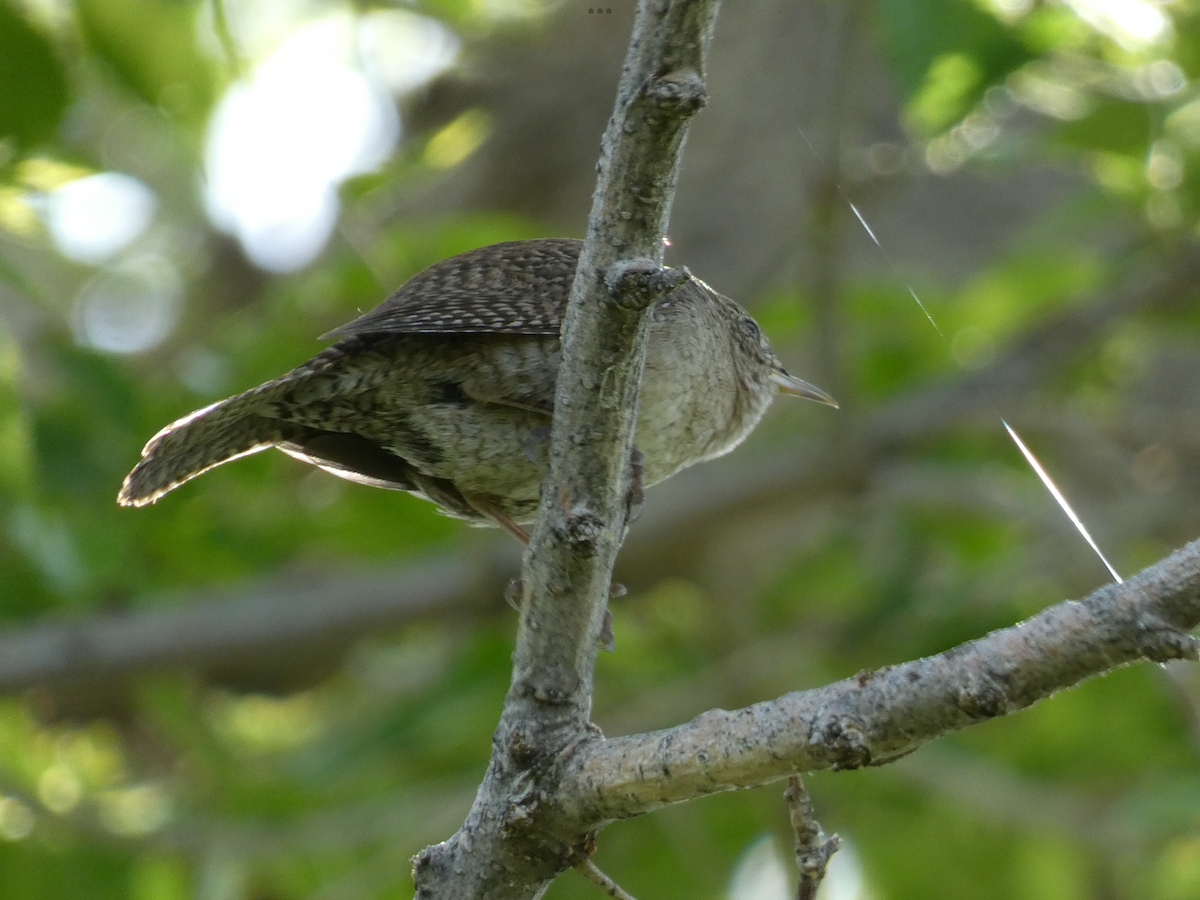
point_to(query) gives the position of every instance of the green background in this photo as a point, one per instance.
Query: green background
(898, 527)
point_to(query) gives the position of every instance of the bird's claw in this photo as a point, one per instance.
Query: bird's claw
(512, 593)
(608, 640)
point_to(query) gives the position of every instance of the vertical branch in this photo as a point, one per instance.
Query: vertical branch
(568, 566)
(517, 838)
(813, 848)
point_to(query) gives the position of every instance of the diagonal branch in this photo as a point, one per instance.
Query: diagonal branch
(877, 717)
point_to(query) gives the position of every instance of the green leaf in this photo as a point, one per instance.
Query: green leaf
(945, 54)
(33, 87)
(16, 446)
(1113, 126)
(151, 46)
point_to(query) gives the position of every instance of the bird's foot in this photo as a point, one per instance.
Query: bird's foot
(608, 640)
(512, 593)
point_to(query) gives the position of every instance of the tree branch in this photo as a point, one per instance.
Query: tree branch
(814, 848)
(516, 840)
(582, 517)
(281, 621)
(876, 717)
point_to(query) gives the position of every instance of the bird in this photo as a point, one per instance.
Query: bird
(446, 390)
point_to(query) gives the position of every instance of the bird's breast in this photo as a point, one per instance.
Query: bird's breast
(688, 414)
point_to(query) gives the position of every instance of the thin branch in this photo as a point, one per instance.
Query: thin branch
(876, 717)
(593, 874)
(814, 848)
(823, 238)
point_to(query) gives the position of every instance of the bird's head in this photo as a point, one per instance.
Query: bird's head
(756, 347)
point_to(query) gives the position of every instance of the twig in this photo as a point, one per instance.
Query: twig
(813, 848)
(606, 884)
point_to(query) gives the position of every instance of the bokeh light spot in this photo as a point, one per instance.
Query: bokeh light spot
(1134, 24)
(282, 140)
(59, 789)
(129, 308)
(134, 811)
(458, 140)
(16, 819)
(92, 219)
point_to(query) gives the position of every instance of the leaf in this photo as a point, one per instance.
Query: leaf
(1113, 126)
(151, 46)
(16, 445)
(33, 87)
(945, 54)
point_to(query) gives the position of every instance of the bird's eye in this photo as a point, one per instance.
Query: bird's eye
(752, 330)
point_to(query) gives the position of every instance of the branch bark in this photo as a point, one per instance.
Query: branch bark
(877, 717)
(516, 839)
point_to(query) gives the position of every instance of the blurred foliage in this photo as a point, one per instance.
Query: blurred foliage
(35, 95)
(178, 787)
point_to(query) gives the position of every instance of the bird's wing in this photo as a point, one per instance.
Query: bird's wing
(519, 287)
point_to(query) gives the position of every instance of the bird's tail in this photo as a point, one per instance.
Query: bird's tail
(196, 443)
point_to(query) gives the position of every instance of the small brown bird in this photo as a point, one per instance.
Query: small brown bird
(446, 390)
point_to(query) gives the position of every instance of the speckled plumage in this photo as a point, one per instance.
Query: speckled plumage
(446, 389)
(518, 287)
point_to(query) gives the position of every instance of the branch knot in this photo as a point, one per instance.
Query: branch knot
(638, 283)
(983, 696)
(844, 741)
(680, 91)
(1160, 641)
(582, 528)
(522, 803)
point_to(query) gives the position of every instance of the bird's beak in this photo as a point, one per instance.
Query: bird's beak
(789, 384)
